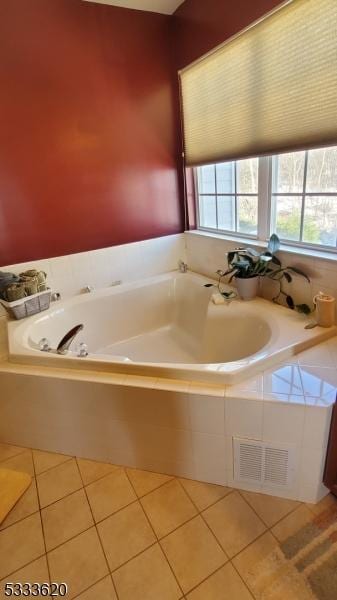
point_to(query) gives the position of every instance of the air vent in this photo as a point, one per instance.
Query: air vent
(263, 463)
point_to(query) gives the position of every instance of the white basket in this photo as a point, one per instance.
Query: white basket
(30, 305)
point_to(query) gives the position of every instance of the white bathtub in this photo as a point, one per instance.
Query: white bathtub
(166, 326)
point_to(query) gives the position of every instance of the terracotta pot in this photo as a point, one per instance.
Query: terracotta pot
(248, 287)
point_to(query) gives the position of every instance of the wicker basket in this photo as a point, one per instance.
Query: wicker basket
(30, 305)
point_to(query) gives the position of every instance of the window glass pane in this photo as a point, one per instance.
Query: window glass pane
(206, 179)
(320, 220)
(226, 212)
(288, 217)
(288, 172)
(207, 208)
(225, 178)
(247, 214)
(322, 170)
(247, 176)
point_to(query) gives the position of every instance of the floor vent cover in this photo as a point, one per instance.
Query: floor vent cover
(263, 463)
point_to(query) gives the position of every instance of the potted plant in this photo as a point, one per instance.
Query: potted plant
(247, 265)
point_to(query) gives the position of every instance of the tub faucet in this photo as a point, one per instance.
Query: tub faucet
(64, 344)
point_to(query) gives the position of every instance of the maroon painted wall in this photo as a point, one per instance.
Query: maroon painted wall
(200, 25)
(88, 121)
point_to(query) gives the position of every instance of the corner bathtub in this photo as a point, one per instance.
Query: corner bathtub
(166, 326)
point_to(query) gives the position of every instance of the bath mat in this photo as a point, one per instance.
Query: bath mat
(302, 567)
(12, 485)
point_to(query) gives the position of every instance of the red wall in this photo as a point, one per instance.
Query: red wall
(200, 25)
(88, 121)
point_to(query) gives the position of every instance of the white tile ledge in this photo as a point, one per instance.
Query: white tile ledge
(330, 257)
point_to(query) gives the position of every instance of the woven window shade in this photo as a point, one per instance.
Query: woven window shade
(271, 89)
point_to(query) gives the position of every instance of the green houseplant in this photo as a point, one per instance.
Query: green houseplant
(247, 266)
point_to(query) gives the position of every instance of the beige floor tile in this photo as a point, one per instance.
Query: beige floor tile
(47, 460)
(103, 590)
(147, 577)
(146, 481)
(109, 494)
(26, 505)
(79, 562)
(58, 482)
(21, 462)
(7, 451)
(168, 507)
(20, 544)
(204, 494)
(234, 523)
(292, 523)
(125, 534)
(193, 553)
(66, 518)
(35, 572)
(270, 509)
(225, 584)
(328, 502)
(91, 470)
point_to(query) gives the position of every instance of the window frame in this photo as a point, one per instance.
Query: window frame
(266, 208)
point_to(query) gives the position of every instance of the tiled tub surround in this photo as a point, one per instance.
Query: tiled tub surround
(69, 275)
(175, 427)
(166, 326)
(205, 253)
(101, 268)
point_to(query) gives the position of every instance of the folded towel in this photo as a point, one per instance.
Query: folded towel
(13, 292)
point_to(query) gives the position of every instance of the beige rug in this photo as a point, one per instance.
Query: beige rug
(12, 485)
(302, 567)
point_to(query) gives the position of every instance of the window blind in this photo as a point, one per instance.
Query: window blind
(270, 89)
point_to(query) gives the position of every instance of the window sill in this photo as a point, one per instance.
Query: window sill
(329, 256)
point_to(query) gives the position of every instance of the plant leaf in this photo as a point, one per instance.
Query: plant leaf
(252, 252)
(288, 276)
(303, 308)
(290, 302)
(274, 243)
(230, 257)
(276, 261)
(232, 276)
(299, 272)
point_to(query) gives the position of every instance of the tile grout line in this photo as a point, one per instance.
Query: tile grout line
(252, 508)
(25, 565)
(13, 455)
(154, 532)
(156, 488)
(41, 520)
(3, 528)
(199, 512)
(243, 581)
(55, 466)
(269, 527)
(97, 532)
(93, 585)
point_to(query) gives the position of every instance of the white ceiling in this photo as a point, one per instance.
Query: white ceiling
(167, 7)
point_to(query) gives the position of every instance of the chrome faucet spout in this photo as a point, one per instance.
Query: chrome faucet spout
(64, 344)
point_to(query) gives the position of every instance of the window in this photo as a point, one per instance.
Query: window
(293, 195)
(228, 195)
